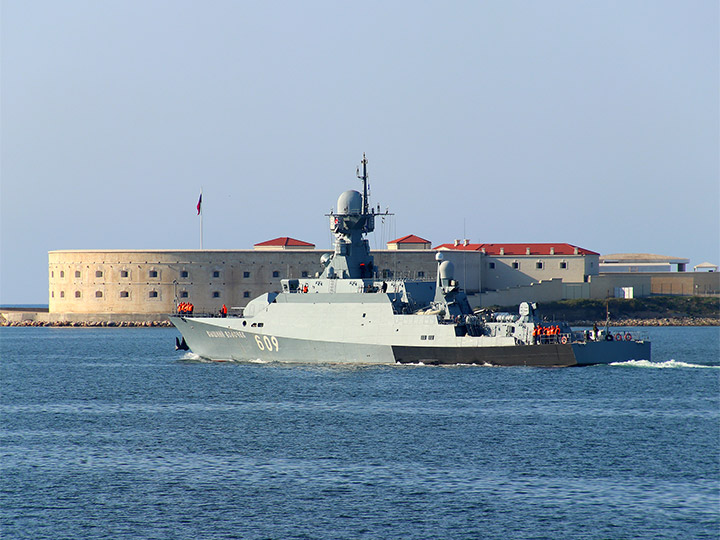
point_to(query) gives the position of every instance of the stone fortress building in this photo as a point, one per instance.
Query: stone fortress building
(123, 283)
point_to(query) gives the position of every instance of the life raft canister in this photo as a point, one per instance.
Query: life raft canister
(628, 337)
(563, 340)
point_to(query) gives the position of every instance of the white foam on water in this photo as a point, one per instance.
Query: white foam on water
(660, 365)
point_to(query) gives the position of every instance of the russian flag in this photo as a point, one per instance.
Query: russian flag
(199, 204)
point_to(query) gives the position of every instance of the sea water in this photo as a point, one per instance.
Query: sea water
(111, 433)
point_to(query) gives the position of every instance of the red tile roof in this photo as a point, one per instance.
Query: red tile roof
(520, 249)
(409, 239)
(285, 241)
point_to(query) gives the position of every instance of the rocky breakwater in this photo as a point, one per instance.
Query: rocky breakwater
(89, 324)
(662, 321)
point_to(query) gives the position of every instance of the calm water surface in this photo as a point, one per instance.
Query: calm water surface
(110, 433)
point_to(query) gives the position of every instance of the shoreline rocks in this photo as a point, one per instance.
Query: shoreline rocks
(90, 324)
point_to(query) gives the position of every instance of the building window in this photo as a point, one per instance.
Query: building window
(216, 273)
(124, 294)
(246, 294)
(62, 273)
(124, 273)
(246, 274)
(77, 294)
(77, 273)
(183, 294)
(216, 294)
(98, 294)
(184, 273)
(304, 274)
(563, 265)
(152, 294)
(491, 265)
(98, 273)
(539, 265)
(276, 273)
(153, 273)
(516, 265)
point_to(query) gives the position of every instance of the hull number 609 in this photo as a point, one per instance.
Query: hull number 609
(267, 342)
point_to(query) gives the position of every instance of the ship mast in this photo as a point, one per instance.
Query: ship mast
(364, 178)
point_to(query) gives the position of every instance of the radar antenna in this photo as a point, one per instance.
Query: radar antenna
(364, 178)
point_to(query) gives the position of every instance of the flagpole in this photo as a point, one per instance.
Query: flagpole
(200, 212)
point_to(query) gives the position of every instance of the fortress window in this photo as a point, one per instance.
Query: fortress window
(246, 294)
(77, 273)
(152, 294)
(184, 273)
(153, 273)
(124, 294)
(98, 273)
(563, 265)
(123, 273)
(216, 294)
(216, 273)
(183, 294)
(516, 265)
(77, 294)
(539, 265)
(98, 294)
(276, 273)
(246, 274)
(491, 265)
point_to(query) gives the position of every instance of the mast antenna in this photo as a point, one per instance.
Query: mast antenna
(364, 178)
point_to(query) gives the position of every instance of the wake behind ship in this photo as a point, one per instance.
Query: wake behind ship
(346, 314)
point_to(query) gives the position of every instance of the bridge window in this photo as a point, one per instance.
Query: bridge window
(98, 273)
(77, 273)
(152, 294)
(98, 294)
(563, 265)
(516, 265)
(124, 273)
(246, 294)
(124, 294)
(491, 265)
(62, 294)
(216, 294)
(184, 273)
(183, 294)
(304, 274)
(77, 294)
(153, 273)
(62, 273)
(216, 273)
(246, 274)
(276, 273)
(539, 265)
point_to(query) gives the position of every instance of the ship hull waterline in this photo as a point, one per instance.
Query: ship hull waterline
(210, 341)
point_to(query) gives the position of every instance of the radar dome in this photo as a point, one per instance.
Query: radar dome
(349, 202)
(446, 271)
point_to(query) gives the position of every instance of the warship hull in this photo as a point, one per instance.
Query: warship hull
(223, 340)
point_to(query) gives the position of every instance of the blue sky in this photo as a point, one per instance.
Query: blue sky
(593, 123)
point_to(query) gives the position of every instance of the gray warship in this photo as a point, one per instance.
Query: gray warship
(347, 315)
